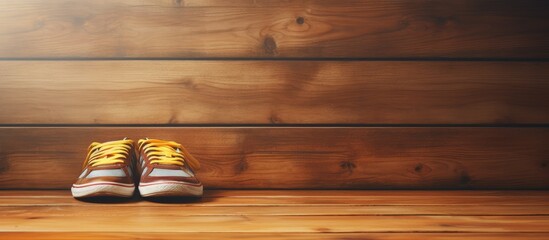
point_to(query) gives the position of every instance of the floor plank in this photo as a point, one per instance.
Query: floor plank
(287, 198)
(272, 236)
(255, 223)
(314, 209)
(318, 214)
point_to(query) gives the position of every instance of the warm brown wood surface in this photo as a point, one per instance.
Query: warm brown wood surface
(166, 64)
(273, 236)
(403, 157)
(273, 92)
(243, 223)
(276, 207)
(271, 28)
(386, 202)
(411, 215)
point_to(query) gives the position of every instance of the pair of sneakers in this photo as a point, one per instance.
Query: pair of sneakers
(158, 168)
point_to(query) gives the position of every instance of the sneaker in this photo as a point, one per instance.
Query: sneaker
(166, 169)
(107, 171)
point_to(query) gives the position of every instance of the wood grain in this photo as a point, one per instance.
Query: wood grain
(270, 28)
(281, 224)
(244, 223)
(333, 215)
(320, 158)
(48, 209)
(273, 92)
(271, 236)
(372, 202)
(489, 195)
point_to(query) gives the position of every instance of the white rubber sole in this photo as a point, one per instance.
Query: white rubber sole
(103, 189)
(170, 188)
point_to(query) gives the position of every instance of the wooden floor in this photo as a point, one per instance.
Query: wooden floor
(276, 214)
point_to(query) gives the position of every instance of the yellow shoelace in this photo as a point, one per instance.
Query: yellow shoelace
(167, 152)
(108, 152)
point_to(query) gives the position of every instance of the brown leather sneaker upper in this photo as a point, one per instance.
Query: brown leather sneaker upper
(161, 160)
(109, 162)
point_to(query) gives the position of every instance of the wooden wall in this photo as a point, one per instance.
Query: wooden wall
(406, 94)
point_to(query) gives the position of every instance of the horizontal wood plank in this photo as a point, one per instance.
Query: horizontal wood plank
(270, 28)
(271, 236)
(266, 202)
(362, 200)
(48, 209)
(273, 92)
(244, 223)
(291, 157)
(411, 214)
